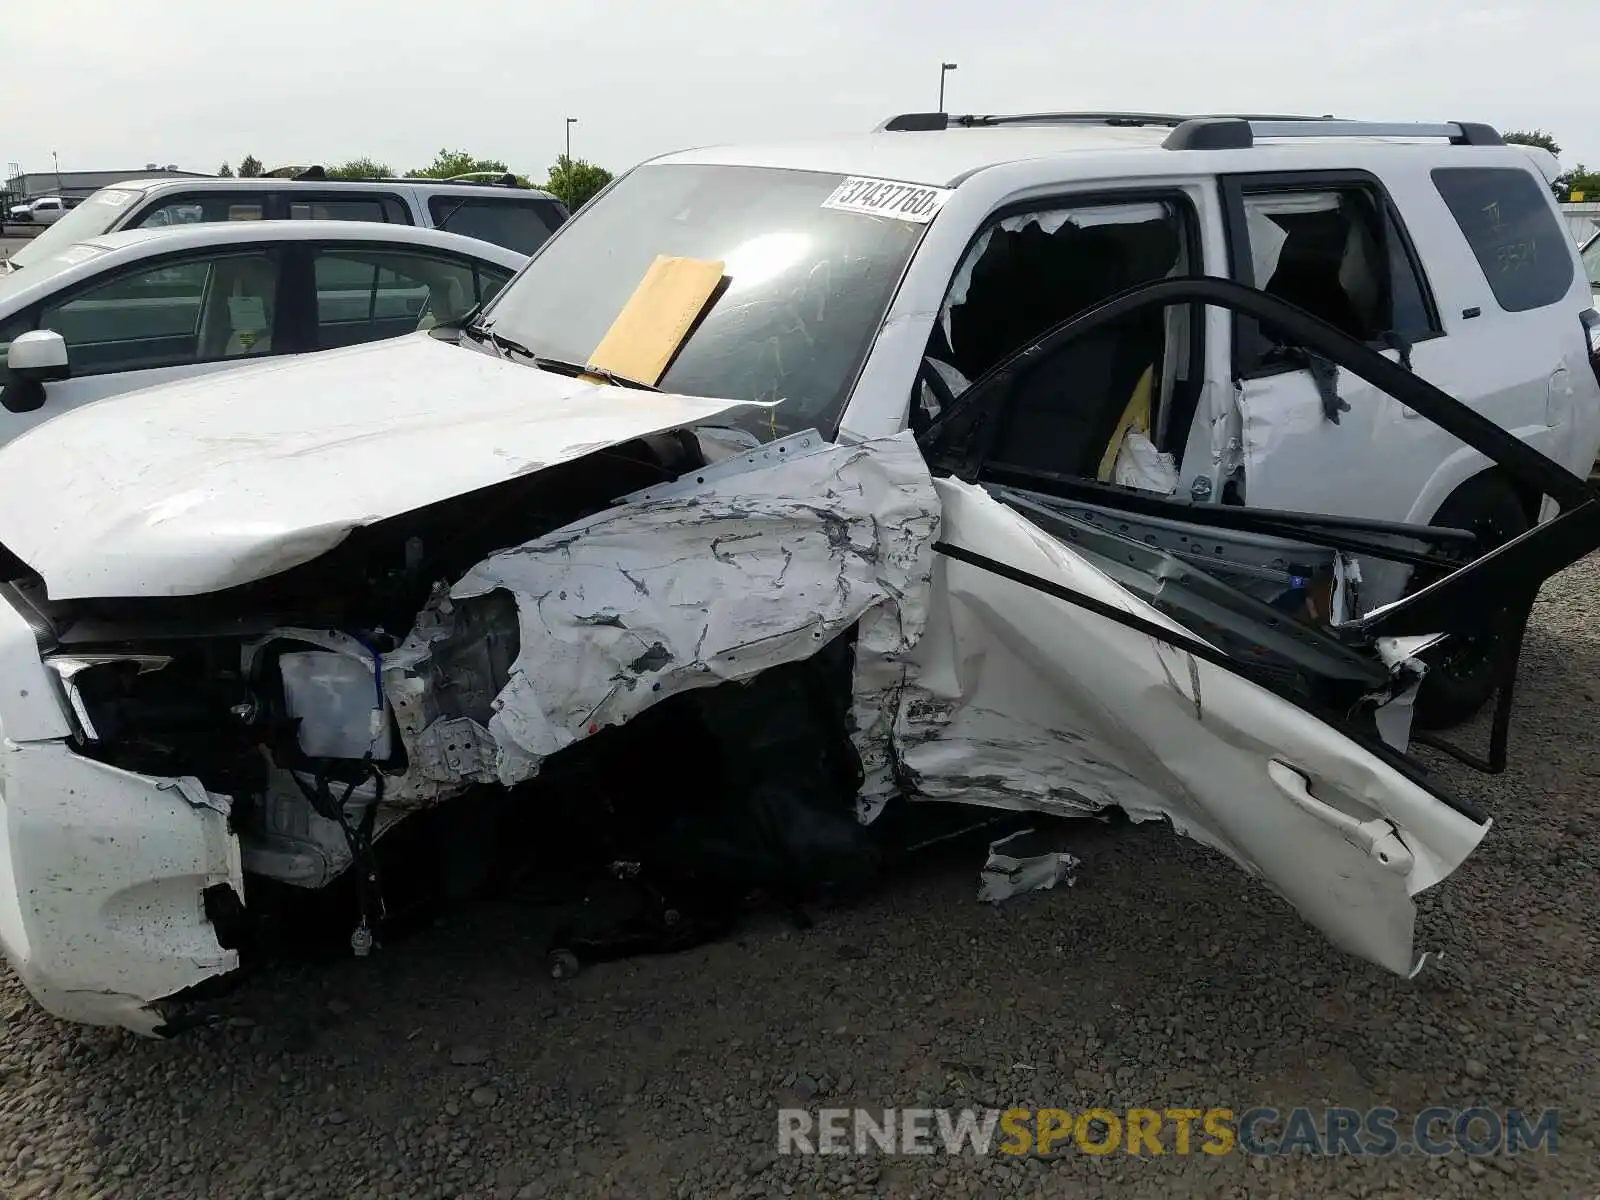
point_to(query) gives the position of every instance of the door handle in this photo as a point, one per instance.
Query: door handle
(1558, 398)
(1376, 838)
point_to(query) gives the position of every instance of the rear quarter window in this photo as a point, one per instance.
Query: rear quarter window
(517, 223)
(383, 209)
(1505, 214)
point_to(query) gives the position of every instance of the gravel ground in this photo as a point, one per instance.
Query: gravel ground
(14, 239)
(454, 1066)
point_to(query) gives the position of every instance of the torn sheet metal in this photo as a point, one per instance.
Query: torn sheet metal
(1011, 870)
(1025, 701)
(1346, 605)
(1394, 713)
(624, 609)
(755, 458)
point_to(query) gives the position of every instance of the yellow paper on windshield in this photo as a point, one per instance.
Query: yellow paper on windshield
(657, 317)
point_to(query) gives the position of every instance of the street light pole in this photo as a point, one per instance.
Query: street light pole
(944, 69)
(57, 160)
(571, 121)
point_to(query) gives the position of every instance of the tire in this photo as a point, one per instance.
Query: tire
(1462, 681)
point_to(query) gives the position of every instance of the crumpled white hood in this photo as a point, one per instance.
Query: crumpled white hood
(193, 487)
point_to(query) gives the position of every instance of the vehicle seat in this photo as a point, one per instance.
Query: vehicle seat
(249, 328)
(447, 300)
(1063, 414)
(1311, 272)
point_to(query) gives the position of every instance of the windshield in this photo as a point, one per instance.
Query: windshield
(1591, 259)
(805, 286)
(67, 256)
(90, 219)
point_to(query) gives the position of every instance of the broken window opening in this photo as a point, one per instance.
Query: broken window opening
(1120, 405)
(1336, 250)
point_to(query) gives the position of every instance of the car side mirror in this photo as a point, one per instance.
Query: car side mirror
(34, 359)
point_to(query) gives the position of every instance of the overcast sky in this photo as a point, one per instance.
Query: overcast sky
(112, 85)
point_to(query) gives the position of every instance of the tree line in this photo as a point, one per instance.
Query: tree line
(571, 179)
(1579, 182)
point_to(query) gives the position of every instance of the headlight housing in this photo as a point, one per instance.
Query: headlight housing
(95, 685)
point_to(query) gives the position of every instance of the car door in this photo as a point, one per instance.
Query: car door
(366, 292)
(1315, 438)
(1036, 263)
(161, 319)
(1043, 684)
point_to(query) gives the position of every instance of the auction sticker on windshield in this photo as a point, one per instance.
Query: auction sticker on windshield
(886, 198)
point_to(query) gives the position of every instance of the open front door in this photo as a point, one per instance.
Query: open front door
(1027, 700)
(1090, 646)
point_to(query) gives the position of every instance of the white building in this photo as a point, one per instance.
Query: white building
(1582, 219)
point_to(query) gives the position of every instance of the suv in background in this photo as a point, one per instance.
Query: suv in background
(517, 218)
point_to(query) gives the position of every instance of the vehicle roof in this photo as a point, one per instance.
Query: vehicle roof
(933, 157)
(945, 157)
(263, 183)
(110, 250)
(215, 233)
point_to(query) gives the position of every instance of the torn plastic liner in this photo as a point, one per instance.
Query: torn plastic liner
(1011, 870)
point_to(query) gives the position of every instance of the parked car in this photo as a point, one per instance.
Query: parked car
(515, 217)
(128, 310)
(1590, 254)
(1052, 464)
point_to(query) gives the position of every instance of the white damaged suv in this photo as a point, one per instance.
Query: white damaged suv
(1063, 464)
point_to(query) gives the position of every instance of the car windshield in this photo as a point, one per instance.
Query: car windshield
(1591, 259)
(90, 219)
(805, 286)
(66, 256)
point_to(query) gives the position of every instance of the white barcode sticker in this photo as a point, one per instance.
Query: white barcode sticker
(885, 198)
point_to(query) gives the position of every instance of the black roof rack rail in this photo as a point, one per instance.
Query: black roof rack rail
(475, 179)
(922, 122)
(1210, 131)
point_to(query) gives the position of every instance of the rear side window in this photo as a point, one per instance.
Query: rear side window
(201, 208)
(517, 224)
(1505, 214)
(348, 208)
(1333, 246)
(364, 295)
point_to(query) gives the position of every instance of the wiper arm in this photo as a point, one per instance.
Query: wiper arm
(502, 345)
(611, 377)
(505, 347)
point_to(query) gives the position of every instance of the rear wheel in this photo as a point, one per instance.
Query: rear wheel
(1462, 680)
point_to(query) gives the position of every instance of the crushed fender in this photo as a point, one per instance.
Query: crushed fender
(613, 614)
